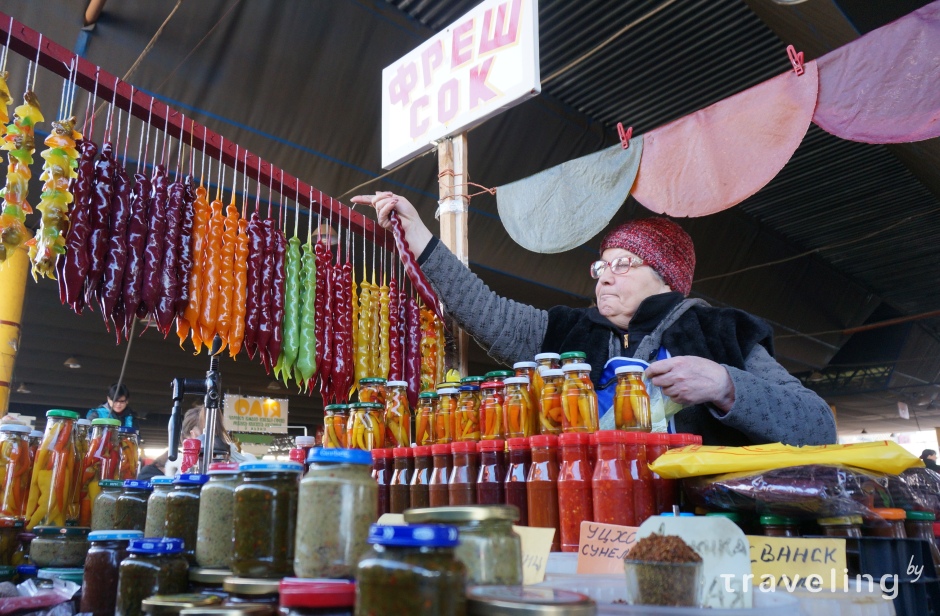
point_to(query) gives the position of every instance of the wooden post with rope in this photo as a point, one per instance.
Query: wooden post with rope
(454, 202)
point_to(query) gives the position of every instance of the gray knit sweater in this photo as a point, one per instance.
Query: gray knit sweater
(770, 405)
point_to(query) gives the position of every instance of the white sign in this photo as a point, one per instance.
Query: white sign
(250, 414)
(485, 62)
(903, 411)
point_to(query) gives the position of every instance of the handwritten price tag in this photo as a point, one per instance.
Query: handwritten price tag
(603, 547)
(799, 563)
(536, 545)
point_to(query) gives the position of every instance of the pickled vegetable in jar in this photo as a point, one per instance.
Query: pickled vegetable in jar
(59, 546)
(418, 489)
(334, 425)
(443, 462)
(82, 430)
(55, 471)
(542, 485)
(100, 580)
(461, 485)
(265, 518)
(841, 526)
(365, 429)
(102, 461)
(152, 567)
(547, 361)
(130, 453)
(411, 570)
(529, 369)
(445, 415)
(779, 526)
(469, 400)
(521, 413)
(15, 467)
(382, 468)
(493, 410)
(631, 401)
(215, 529)
(575, 502)
(104, 512)
(182, 509)
(890, 525)
(130, 510)
(424, 418)
(578, 400)
(372, 389)
(550, 407)
(514, 486)
(156, 506)
(397, 415)
(491, 473)
(572, 357)
(301, 597)
(399, 488)
(10, 529)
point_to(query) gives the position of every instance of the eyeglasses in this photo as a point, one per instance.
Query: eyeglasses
(119, 401)
(619, 266)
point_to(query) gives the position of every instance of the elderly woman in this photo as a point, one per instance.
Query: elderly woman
(716, 363)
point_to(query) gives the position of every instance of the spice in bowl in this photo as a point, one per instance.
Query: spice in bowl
(663, 570)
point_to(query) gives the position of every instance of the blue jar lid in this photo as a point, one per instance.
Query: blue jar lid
(127, 430)
(469, 388)
(27, 570)
(161, 481)
(115, 535)
(270, 467)
(190, 479)
(415, 535)
(137, 484)
(333, 455)
(156, 545)
(684, 514)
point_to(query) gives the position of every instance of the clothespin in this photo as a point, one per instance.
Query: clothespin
(625, 135)
(796, 59)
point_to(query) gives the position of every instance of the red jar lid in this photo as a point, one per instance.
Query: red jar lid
(657, 438)
(296, 454)
(608, 437)
(936, 529)
(592, 439)
(518, 442)
(681, 440)
(296, 592)
(463, 447)
(493, 385)
(574, 438)
(403, 452)
(634, 438)
(422, 450)
(440, 448)
(226, 467)
(378, 454)
(493, 445)
(543, 440)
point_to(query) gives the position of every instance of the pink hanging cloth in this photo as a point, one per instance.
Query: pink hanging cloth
(719, 156)
(885, 86)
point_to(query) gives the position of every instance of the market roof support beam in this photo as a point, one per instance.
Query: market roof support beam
(454, 202)
(12, 292)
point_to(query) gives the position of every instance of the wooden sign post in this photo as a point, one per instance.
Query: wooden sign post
(454, 199)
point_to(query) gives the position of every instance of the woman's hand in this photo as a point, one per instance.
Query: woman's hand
(416, 233)
(689, 380)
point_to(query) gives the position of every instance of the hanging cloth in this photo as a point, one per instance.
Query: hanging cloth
(885, 86)
(719, 156)
(561, 208)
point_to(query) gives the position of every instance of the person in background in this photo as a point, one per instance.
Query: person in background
(194, 425)
(929, 456)
(155, 469)
(116, 407)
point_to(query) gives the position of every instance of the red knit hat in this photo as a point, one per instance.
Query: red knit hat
(662, 244)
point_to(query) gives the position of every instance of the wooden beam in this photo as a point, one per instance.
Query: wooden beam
(454, 200)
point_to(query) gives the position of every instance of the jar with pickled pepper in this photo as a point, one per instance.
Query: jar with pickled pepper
(631, 401)
(468, 413)
(14, 470)
(382, 469)
(55, 470)
(521, 413)
(82, 430)
(493, 410)
(372, 389)
(550, 406)
(102, 461)
(424, 418)
(365, 429)
(10, 529)
(418, 494)
(572, 357)
(334, 425)
(542, 485)
(130, 453)
(130, 510)
(578, 400)
(411, 570)
(443, 462)
(182, 510)
(397, 415)
(156, 506)
(445, 415)
(152, 567)
(100, 579)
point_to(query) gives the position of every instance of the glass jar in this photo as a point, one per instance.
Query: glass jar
(99, 584)
(469, 400)
(578, 400)
(443, 462)
(542, 485)
(10, 529)
(215, 530)
(265, 517)
(156, 506)
(182, 508)
(418, 489)
(298, 455)
(644, 500)
(665, 491)
(104, 511)
(130, 511)
(612, 484)
(397, 415)
(779, 526)
(208, 581)
(372, 389)
(521, 415)
(849, 526)
(919, 525)
(572, 357)
(424, 417)
(306, 443)
(82, 430)
(334, 425)
(102, 461)
(365, 428)
(492, 410)
(893, 526)
(250, 591)
(575, 503)
(35, 440)
(631, 402)
(24, 541)
(514, 486)
(152, 567)
(411, 570)
(317, 597)
(461, 485)
(339, 500)
(130, 453)
(399, 488)
(547, 361)
(14, 470)
(54, 472)
(529, 369)
(445, 415)
(550, 407)
(498, 375)
(490, 549)
(56, 546)
(382, 468)
(492, 473)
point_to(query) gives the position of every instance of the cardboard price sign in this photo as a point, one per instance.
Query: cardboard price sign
(798, 563)
(603, 547)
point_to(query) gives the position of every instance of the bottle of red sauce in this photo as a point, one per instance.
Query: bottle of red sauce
(575, 504)
(664, 490)
(400, 485)
(461, 486)
(382, 473)
(438, 493)
(418, 489)
(520, 459)
(542, 485)
(644, 499)
(612, 485)
(492, 473)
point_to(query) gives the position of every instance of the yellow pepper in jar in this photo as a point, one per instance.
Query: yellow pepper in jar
(493, 410)
(334, 426)
(424, 418)
(54, 472)
(469, 401)
(578, 400)
(550, 408)
(397, 415)
(445, 416)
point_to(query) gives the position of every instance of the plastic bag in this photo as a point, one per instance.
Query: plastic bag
(36, 601)
(916, 489)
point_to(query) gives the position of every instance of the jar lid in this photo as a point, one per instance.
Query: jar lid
(35, 434)
(110, 483)
(889, 513)
(683, 514)
(273, 467)
(334, 455)
(379, 454)
(519, 365)
(65, 531)
(517, 442)
(578, 367)
(552, 372)
(777, 520)
(320, 593)
(681, 440)
(921, 516)
(492, 445)
(115, 535)
(251, 586)
(372, 380)
(469, 388)
(160, 481)
(223, 468)
(12, 523)
(463, 447)
(731, 515)
(403, 452)
(304, 441)
(574, 438)
(417, 535)
(83, 422)
(397, 383)
(106, 422)
(190, 479)
(156, 545)
(541, 356)
(439, 449)
(428, 394)
(517, 380)
(18, 428)
(632, 438)
(472, 379)
(523, 601)
(657, 438)
(61, 413)
(242, 609)
(171, 604)
(448, 391)
(422, 450)
(492, 385)
(456, 515)
(845, 520)
(69, 574)
(136, 484)
(572, 355)
(208, 576)
(23, 570)
(334, 408)
(628, 369)
(127, 430)
(607, 437)
(446, 385)
(498, 374)
(369, 406)
(543, 440)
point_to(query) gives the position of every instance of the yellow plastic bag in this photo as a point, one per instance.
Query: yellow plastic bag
(694, 461)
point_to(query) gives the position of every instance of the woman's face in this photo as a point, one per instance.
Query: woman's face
(618, 297)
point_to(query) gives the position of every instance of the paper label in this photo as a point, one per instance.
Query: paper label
(536, 545)
(603, 547)
(814, 564)
(253, 414)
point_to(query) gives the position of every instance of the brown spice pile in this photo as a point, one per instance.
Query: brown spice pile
(663, 549)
